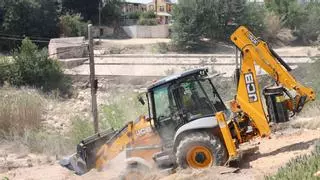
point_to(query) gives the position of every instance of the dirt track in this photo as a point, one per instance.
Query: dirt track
(273, 153)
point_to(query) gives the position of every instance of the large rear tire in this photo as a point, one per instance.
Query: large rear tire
(200, 150)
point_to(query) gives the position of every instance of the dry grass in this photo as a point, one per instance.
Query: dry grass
(20, 110)
(309, 118)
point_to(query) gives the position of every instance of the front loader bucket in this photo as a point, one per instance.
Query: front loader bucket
(85, 158)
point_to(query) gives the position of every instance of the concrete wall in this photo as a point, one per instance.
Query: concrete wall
(64, 48)
(159, 31)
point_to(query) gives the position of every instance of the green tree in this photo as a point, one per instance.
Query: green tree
(214, 19)
(89, 10)
(291, 12)
(33, 67)
(31, 17)
(72, 25)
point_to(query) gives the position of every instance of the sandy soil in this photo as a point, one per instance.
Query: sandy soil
(273, 153)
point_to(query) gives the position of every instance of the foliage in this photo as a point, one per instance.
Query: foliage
(19, 111)
(161, 48)
(273, 24)
(90, 10)
(71, 25)
(134, 15)
(302, 167)
(122, 108)
(292, 13)
(111, 12)
(80, 129)
(5, 62)
(40, 141)
(195, 19)
(148, 15)
(37, 18)
(147, 22)
(147, 18)
(33, 67)
(309, 30)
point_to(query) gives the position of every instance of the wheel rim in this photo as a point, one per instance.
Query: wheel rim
(199, 157)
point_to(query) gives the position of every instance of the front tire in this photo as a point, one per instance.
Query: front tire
(200, 150)
(134, 172)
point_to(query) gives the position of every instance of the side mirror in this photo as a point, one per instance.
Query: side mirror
(141, 100)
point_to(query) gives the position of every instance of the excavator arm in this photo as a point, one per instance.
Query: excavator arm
(268, 60)
(251, 119)
(257, 52)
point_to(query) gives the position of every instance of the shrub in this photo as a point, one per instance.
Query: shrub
(5, 64)
(292, 13)
(40, 141)
(273, 26)
(147, 22)
(303, 167)
(33, 67)
(309, 30)
(148, 15)
(121, 109)
(80, 129)
(72, 25)
(134, 15)
(161, 47)
(19, 111)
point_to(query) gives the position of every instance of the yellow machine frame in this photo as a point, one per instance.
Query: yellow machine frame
(256, 52)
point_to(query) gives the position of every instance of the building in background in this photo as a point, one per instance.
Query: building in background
(163, 11)
(130, 6)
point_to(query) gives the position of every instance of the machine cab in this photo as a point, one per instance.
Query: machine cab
(182, 98)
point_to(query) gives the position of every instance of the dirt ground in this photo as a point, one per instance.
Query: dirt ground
(273, 153)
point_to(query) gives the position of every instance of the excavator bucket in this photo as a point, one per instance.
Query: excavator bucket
(84, 159)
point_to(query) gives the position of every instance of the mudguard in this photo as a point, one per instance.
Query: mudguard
(201, 123)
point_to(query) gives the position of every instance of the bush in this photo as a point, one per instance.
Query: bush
(147, 22)
(19, 111)
(71, 25)
(292, 13)
(303, 167)
(134, 15)
(80, 129)
(309, 30)
(148, 15)
(5, 64)
(273, 25)
(121, 109)
(33, 67)
(40, 141)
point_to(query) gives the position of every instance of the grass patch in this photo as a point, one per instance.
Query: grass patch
(80, 129)
(303, 167)
(121, 109)
(20, 110)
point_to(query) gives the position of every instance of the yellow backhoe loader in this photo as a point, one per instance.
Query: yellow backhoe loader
(189, 126)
